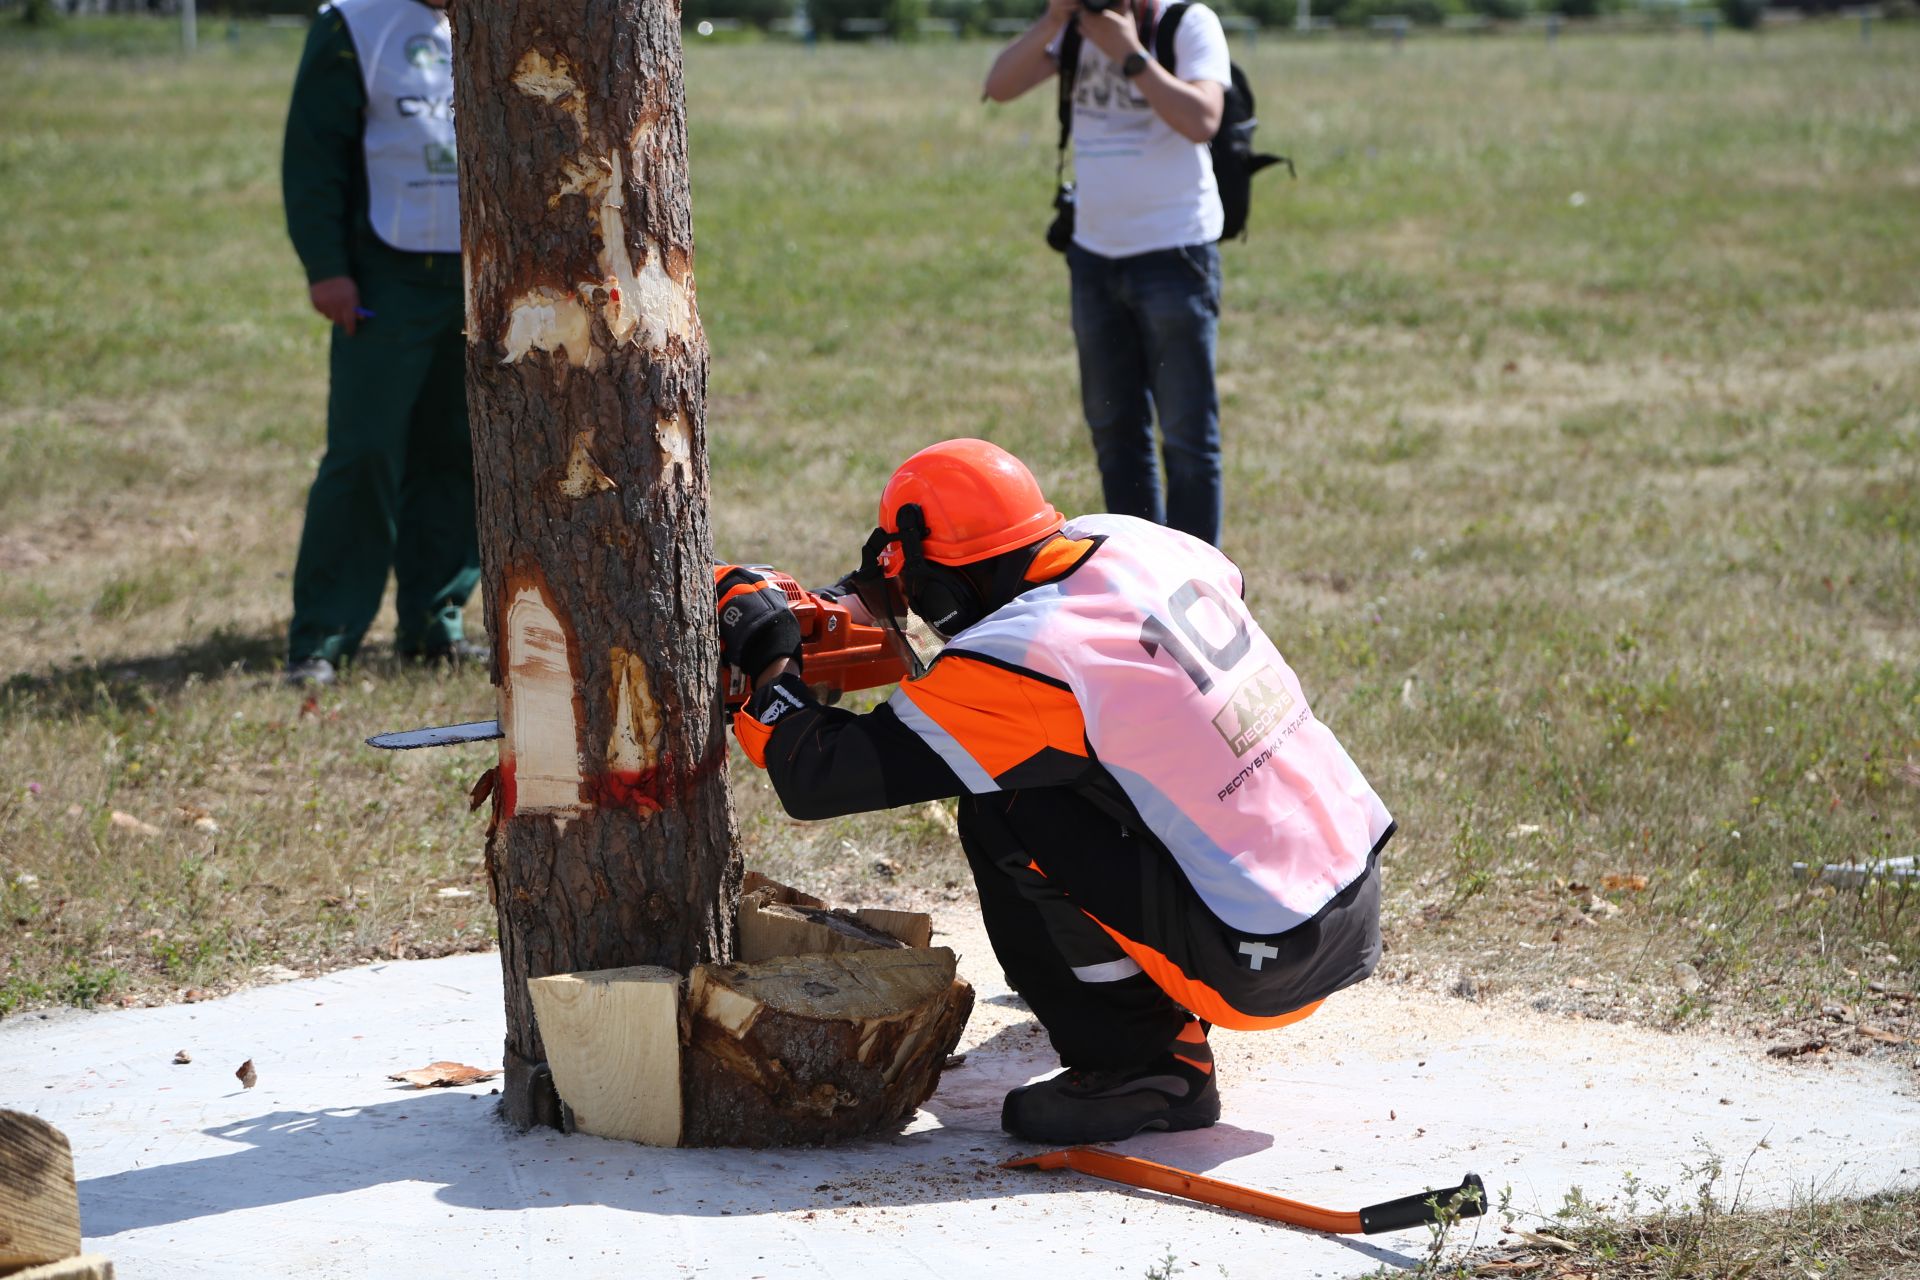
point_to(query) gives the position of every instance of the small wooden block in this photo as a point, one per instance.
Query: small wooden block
(765, 889)
(613, 1045)
(788, 929)
(88, 1266)
(777, 920)
(915, 928)
(39, 1208)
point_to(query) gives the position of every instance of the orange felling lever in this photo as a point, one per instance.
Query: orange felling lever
(1468, 1200)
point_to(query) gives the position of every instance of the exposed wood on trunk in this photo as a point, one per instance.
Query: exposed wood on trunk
(818, 1048)
(586, 377)
(39, 1208)
(613, 1042)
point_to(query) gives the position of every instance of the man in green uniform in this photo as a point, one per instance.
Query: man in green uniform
(372, 201)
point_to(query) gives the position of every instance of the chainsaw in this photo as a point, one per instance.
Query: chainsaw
(837, 655)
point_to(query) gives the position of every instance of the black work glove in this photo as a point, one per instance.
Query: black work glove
(843, 589)
(756, 625)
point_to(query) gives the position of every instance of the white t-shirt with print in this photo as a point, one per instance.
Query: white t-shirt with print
(1138, 185)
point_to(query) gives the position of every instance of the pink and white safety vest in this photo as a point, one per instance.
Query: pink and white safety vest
(1183, 700)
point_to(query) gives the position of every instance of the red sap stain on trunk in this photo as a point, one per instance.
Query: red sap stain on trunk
(505, 793)
(646, 791)
(643, 791)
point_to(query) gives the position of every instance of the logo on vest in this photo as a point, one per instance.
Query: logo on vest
(1260, 703)
(433, 108)
(1258, 953)
(441, 158)
(424, 51)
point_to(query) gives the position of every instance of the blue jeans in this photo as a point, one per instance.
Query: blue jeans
(1145, 328)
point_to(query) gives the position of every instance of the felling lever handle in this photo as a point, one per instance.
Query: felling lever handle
(1468, 1200)
(1393, 1215)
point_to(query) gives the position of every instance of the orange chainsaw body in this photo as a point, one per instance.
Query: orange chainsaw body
(837, 654)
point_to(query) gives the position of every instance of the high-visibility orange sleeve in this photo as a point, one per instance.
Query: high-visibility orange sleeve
(1000, 717)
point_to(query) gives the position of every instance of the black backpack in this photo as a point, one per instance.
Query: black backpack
(1234, 159)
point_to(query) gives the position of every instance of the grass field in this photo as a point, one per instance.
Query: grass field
(1572, 407)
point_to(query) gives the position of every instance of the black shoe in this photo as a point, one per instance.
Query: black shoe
(449, 653)
(303, 673)
(1174, 1091)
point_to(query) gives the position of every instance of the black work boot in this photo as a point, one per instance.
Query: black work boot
(309, 673)
(449, 653)
(1174, 1091)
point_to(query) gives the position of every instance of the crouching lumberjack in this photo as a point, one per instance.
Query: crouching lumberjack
(1163, 836)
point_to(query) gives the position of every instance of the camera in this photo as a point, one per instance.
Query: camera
(1099, 6)
(1060, 230)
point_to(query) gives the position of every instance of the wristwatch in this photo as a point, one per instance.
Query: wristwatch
(1135, 63)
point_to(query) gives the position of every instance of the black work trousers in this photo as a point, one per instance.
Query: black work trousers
(1099, 1009)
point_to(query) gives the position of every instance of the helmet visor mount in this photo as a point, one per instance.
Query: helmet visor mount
(878, 584)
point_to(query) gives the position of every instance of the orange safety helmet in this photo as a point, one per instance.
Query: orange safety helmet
(977, 500)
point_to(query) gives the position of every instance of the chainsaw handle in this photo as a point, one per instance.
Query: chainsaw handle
(1426, 1207)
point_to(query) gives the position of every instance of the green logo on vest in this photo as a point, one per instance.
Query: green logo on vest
(1260, 703)
(441, 158)
(425, 51)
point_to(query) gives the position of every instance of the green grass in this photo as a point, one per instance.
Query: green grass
(1573, 447)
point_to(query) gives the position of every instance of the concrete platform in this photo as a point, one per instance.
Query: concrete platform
(327, 1169)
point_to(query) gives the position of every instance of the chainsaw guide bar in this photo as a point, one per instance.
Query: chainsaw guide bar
(446, 735)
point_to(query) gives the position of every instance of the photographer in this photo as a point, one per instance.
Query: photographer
(1144, 256)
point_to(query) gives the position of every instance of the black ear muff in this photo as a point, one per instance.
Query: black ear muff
(944, 596)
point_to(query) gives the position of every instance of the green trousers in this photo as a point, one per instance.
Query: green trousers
(395, 489)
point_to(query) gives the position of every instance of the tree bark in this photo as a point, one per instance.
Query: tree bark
(586, 375)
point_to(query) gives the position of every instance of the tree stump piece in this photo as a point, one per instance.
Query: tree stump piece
(39, 1207)
(805, 1050)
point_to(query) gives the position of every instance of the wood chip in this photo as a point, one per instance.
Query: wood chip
(246, 1075)
(181, 1058)
(127, 822)
(442, 1075)
(1883, 1035)
(1631, 883)
(1542, 1240)
(1795, 1050)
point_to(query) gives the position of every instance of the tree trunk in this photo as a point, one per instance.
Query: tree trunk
(586, 376)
